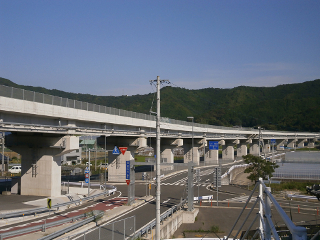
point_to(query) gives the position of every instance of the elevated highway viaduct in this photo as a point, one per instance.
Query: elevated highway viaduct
(44, 127)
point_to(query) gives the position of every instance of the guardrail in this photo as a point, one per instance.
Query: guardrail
(43, 227)
(145, 229)
(57, 206)
(72, 227)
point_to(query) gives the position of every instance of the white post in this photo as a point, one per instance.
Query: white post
(158, 163)
(261, 206)
(268, 213)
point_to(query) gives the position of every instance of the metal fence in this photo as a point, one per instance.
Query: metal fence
(297, 171)
(267, 228)
(117, 230)
(302, 157)
(22, 94)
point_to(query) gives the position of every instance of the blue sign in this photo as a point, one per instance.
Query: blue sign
(127, 169)
(272, 141)
(86, 170)
(116, 151)
(87, 180)
(213, 145)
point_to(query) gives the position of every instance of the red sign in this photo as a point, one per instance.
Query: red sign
(87, 175)
(123, 150)
(128, 181)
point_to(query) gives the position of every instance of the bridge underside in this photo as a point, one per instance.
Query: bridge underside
(41, 161)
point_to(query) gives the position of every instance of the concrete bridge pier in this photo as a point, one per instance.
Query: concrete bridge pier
(280, 144)
(242, 149)
(212, 156)
(41, 161)
(117, 163)
(267, 147)
(254, 148)
(228, 149)
(301, 143)
(292, 143)
(187, 147)
(166, 148)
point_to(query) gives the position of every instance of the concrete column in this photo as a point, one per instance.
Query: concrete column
(254, 148)
(292, 143)
(187, 147)
(41, 161)
(301, 143)
(242, 149)
(212, 156)
(167, 146)
(311, 144)
(228, 149)
(280, 144)
(267, 148)
(188, 154)
(117, 163)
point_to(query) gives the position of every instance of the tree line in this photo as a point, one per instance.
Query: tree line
(289, 107)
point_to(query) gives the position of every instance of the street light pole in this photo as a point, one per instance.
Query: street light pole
(259, 138)
(192, 134)
(105, 162)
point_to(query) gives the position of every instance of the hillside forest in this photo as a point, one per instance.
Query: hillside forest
(289, 107)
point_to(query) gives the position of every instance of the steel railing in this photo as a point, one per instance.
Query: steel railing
(148, 227)
(27, 95)
(57, 206)
(45, 225)
(267, 228)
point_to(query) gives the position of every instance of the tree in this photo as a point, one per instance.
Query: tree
(258, 167)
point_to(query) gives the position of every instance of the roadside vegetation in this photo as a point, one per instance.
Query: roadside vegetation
(291, 186)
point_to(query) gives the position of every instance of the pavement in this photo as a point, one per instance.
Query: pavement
(210, 216)
(112, 207)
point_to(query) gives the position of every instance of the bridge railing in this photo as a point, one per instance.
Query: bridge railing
(27, 95)
(32, 96)
(267, 229)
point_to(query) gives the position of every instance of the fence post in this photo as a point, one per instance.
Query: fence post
(268, 213)
(261, 206)
(134, 225)
(113, 231)
(124, 229)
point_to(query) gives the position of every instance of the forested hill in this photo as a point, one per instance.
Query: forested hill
(293, 107)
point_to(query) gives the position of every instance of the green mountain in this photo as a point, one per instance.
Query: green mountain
(292, 107)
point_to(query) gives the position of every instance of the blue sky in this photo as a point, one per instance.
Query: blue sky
(116, 47)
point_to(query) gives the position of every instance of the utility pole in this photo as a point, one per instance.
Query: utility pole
(2, 142)
(259, 139)
(158, 81)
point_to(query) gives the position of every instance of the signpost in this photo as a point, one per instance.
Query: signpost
(198, 180)
(213, 145)
(115, 151)
(123, 150)
(217, 181)
(273, 142)
(130, 180)
(87, 178)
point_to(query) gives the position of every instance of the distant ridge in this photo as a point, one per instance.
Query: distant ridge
(291, 107)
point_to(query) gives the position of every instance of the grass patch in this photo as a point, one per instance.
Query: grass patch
(289, 186)
(213, 229)
(140, 158)
(307, 149)
(298, 186)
